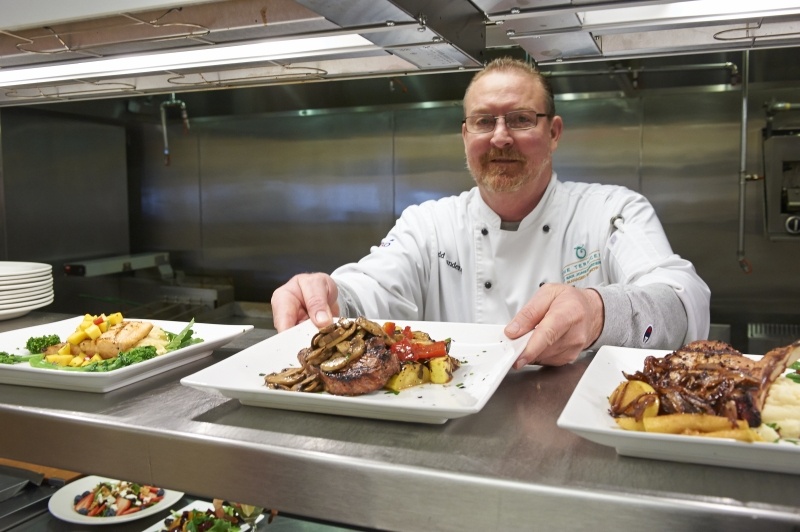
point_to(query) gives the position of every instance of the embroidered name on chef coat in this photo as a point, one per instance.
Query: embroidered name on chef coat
(589, 262)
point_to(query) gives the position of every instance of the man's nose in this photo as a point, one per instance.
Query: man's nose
(501, 136)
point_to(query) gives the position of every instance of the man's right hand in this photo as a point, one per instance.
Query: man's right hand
(305, 296)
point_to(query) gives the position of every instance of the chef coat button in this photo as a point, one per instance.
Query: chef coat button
(487, 284)
(546, 228)
(484, 231)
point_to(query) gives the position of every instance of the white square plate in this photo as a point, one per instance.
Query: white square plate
(13, 343)
(586, 414)
(485, 352)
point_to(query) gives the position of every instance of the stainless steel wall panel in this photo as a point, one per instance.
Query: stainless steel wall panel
(65, 187)
(169, 202)
(601, 142)
(429, 160)
(284, 194)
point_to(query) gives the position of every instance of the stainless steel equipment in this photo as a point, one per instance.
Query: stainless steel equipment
(782, 177)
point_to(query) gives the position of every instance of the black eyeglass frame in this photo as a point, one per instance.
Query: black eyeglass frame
(494, 125)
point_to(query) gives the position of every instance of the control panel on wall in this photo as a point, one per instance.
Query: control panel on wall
(782, 185)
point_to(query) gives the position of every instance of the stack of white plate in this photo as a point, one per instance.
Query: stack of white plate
(24, 286)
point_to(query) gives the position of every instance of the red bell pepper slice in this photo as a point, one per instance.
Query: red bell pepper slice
(434, 350)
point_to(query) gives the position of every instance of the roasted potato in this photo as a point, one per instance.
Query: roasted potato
(411, 374)
(442, 369)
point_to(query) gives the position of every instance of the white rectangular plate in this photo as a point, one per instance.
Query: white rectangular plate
(586, 414)
(485, 352)
(13, 343)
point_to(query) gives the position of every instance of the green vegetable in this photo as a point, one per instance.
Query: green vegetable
(38, 344)
(182, 339)
(128, 358)
(794, 376)
(5, 358)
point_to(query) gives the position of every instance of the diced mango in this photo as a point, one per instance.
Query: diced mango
(65, 349)
(103, 326)
(61, 360)
(93, 331)
(115, 319)
(77, 361)
(77, 337)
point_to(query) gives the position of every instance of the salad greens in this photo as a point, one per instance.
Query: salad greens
(5, 358)
(127, 358)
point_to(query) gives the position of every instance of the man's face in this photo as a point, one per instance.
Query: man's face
(506, 160)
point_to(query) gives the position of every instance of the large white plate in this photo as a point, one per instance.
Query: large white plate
(14, 270)
(13, 342)
(27, 285)
(12, 313)
(586, 414)
(26, 295)
(486, 355)
(12, 282)
(62, 502)
(199, 506)
(45, 299)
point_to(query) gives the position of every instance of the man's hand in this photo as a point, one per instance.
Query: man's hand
(307, 295)
(565, 320)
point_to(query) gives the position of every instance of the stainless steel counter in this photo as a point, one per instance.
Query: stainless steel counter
(507, 467)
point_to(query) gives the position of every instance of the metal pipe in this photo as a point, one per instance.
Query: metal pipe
(172, 102)
(734, 70)
(744, 264)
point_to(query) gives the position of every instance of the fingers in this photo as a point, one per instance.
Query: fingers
(565, 321)
(306, 296)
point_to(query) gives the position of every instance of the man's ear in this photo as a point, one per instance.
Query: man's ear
(556, 127)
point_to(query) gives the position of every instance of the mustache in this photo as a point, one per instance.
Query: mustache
(496, 153)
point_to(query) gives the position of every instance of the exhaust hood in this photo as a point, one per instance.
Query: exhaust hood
(111, 48)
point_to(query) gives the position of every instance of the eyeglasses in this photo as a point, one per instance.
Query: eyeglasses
(515, 120)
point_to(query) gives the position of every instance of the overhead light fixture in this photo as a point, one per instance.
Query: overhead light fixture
(187, 59)
(692, 11)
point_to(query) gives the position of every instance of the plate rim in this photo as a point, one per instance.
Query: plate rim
(67, 493)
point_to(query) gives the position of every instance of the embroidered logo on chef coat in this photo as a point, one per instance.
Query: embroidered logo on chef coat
(587, 263)
(386, 242)
(647, 333)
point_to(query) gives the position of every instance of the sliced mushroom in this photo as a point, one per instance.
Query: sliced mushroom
(374, 329)
(334, 363)
(287, 377)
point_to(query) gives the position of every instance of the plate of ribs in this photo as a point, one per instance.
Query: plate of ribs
(483, 352)
(750, 402)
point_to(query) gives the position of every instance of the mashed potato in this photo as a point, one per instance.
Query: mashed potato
(782, 408)
(157, 338)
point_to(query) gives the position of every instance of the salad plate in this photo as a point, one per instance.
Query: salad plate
(486, 355)
(61, 504)
(13, 343)
(23, 270)
(586, 414)
(198, 506)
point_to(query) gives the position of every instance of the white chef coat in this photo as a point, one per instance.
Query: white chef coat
(449, 260)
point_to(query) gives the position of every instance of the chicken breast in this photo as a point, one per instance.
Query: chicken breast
(117, 338)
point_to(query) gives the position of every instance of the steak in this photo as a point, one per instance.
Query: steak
(711, 377)
(370, 372)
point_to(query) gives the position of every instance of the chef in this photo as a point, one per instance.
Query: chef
(581, 265)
